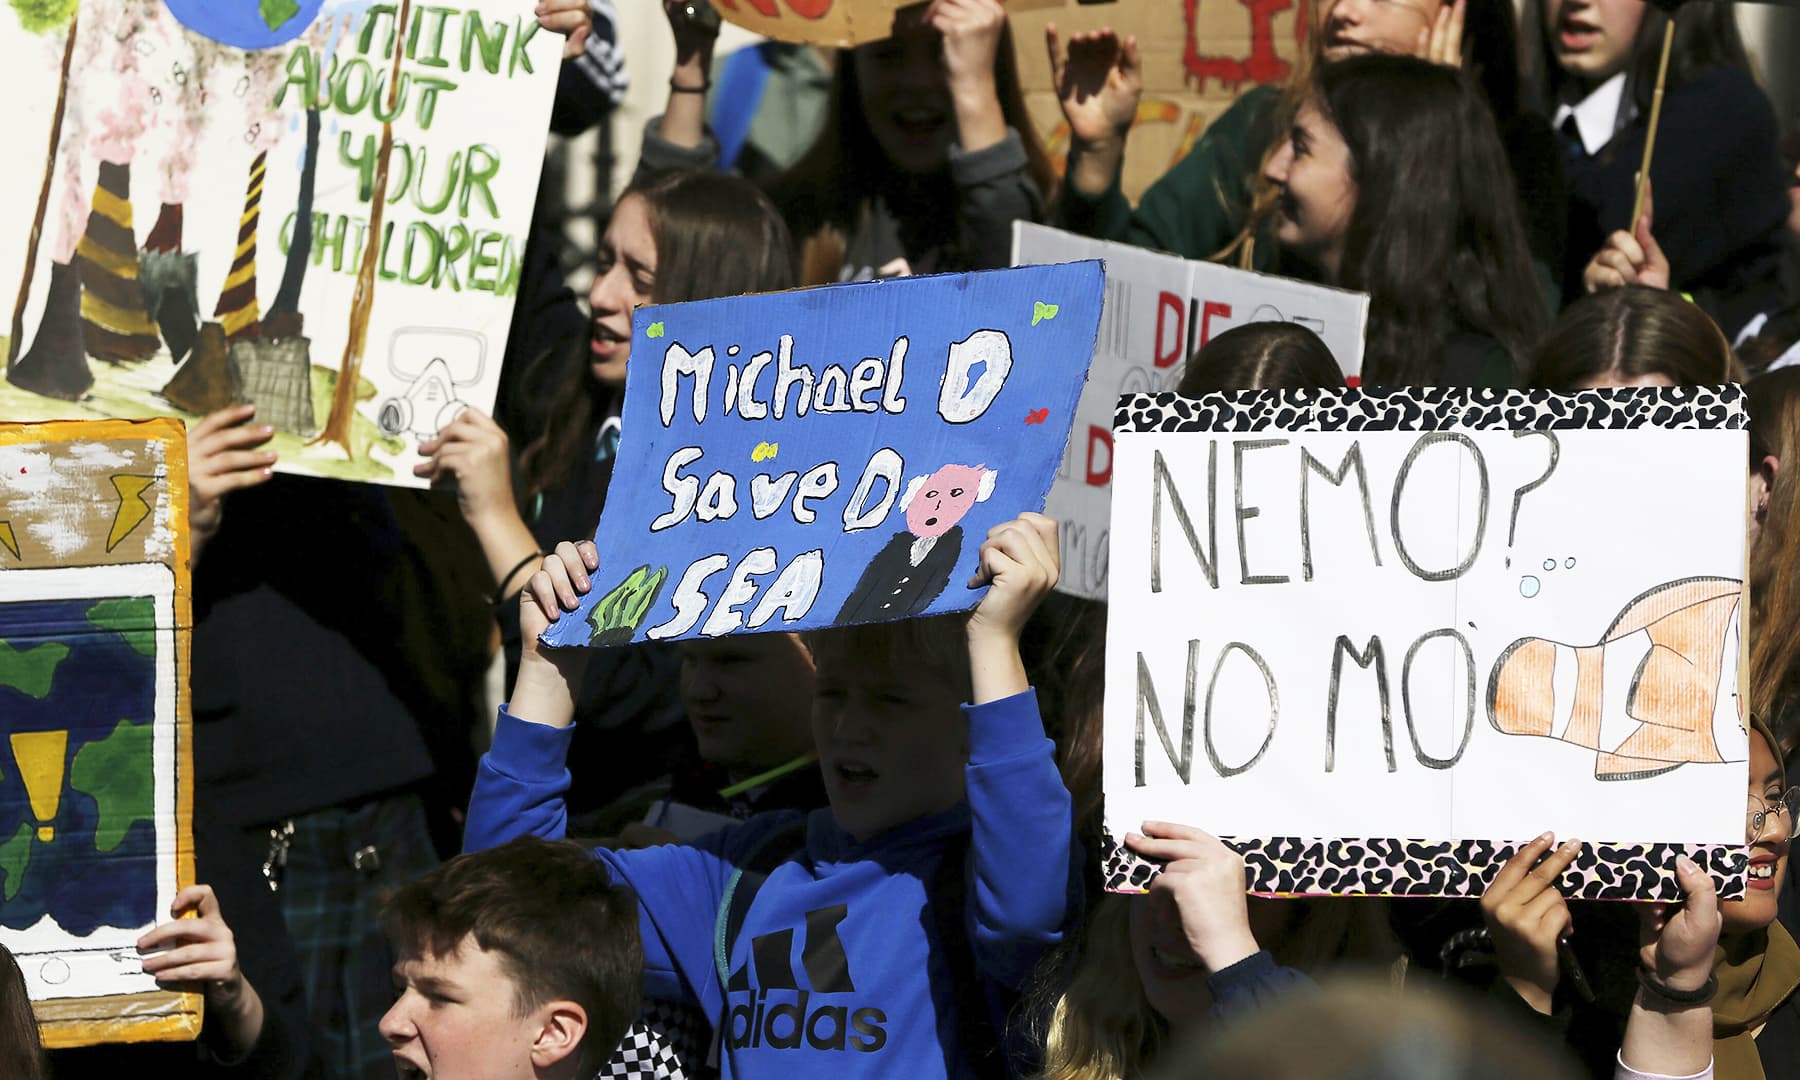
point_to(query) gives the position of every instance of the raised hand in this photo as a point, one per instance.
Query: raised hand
(1019, 563)
(1098, 82)
(223, 457)
(571, 19)
(1203, 886)
(470, 452)
(1527, 916)
(1676, 942)
(1629, 258)
(544, 691)
(202, 951)
(971, 30)
(1441, 41)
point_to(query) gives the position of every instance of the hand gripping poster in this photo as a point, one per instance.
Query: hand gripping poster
(832, 456)
(319, 206)
(1379, 640)
(95, 764)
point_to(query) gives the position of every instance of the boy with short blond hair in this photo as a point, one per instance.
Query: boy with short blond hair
(893, 939)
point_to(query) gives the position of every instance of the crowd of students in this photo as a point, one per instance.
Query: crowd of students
(872, 850)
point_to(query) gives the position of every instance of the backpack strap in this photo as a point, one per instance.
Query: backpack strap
(777, 846)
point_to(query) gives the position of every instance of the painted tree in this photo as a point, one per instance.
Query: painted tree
(44, 17)
(362, 300)
(285, 317)
(116, 319)
(237, 308)
(168, 272)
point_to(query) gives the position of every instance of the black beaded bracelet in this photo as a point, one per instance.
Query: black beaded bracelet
(1648, 980)
(676, 88)
(500, 587)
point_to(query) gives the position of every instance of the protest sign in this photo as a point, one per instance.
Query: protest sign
(1380, 640)
(835, 455)
(96, 768)
(1197, 58)
(1159, 311)
(320, 208)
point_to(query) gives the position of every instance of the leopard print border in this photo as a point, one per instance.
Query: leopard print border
(1436, 408)
(1291, 866)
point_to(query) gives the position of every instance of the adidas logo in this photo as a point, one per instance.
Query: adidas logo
(788, 1024)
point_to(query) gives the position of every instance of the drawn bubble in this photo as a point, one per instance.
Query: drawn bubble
(1569, 563)
(1528, 586)
(1549, 564)
(55, 971)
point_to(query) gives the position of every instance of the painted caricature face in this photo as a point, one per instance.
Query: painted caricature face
(892, 748)
(1355, 27)
(943, 499)
(904, 95)
(1592, 39)
(624, 275)
(1312, 169)
(747, 697)
(1768, 848)
(455, 1018)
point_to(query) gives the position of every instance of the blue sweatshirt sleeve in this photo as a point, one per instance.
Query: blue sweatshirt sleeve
(519, 785)
(1025, 872)
(1252, 983)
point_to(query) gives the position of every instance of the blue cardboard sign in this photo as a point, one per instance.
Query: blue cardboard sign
(835, 455)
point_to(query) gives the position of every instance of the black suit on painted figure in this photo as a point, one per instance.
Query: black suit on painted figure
(915, 565)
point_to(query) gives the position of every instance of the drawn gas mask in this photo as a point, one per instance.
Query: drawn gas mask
(439, 362)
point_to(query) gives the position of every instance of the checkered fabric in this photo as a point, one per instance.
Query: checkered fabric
(667, 1042)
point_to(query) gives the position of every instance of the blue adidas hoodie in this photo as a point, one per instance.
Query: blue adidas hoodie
(838, 969)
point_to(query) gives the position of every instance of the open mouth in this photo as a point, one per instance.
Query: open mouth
(931, 521)
(604, 340)
(854, 774)
(1762, 872)
(919, 124)
(409, 1071)
(1576, 36)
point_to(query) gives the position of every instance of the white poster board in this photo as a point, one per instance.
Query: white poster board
(1160, 309)
(1379, 640)
(318, 206)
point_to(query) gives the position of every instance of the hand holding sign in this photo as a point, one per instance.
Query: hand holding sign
(1527, 916)
(1198, 910)
(544, 690)
(1019, 564)
(1677, 942)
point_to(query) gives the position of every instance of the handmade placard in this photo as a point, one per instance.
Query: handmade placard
(317, 207)
(835, 455)
(1159, 311)
(96, 780)
(1379, 640)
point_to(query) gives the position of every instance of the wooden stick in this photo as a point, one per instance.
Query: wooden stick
(1643, 177)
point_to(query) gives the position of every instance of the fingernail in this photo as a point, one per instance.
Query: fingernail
(1572, 845)
(1546, 838)
(1685, 864)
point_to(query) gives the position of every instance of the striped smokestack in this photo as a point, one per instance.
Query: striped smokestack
(112, 302)
(237, 308)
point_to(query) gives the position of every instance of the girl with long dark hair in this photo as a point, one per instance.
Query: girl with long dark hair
(1384, 184)
(1213, 203)
(687, 236)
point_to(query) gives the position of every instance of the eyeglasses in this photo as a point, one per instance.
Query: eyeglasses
(1787, 807)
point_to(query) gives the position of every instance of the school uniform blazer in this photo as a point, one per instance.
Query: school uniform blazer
(1720, 197)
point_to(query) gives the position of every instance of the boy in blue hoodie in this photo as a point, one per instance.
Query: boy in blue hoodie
(913, 910)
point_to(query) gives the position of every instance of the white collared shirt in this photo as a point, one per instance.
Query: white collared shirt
(1597, 115)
